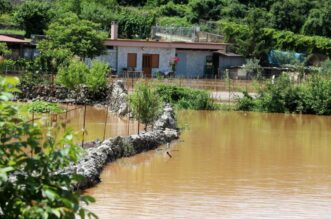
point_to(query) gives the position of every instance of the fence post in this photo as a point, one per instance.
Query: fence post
(66, 118)
(105, 127)
(84, 125)
(32, 117)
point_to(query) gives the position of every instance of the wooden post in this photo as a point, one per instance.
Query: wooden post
(66, 118)
(32, 117)
(84, 125)
(105, 127)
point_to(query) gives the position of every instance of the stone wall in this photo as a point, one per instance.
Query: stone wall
(115, 95)
(91, 165)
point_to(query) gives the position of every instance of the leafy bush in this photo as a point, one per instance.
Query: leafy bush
(145, 103)
(246, 103)
(73, 75)
(96, 79)
(43, 107)
(185, 98)
(311, 97)
(31, 185)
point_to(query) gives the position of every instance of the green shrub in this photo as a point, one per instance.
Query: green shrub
(96, 79)
(73, 75)
(186, 98)
(246, 103)
(42, 107)
(311, 97)
(145, 103)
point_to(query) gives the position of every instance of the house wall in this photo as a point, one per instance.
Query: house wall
(165, 55)
(109, 57)
(191, 63)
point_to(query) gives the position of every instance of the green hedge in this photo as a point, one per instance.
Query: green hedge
(186, 98)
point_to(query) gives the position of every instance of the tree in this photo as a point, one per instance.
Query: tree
(34, 16)
(233, 9)
(135, 23)
(5, 6)
(290, 14)
(145, 104)
(97, 13)
(253, 43)
(204, 10)
(81, 37)
(31, 182)
(318, 22)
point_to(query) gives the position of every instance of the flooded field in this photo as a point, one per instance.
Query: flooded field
(96, 124)
(226, 165)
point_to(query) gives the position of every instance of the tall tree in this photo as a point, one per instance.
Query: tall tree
(34, 16)
(81, 37)
(318, 22)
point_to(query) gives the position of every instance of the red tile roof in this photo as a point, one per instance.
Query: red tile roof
(7, 39)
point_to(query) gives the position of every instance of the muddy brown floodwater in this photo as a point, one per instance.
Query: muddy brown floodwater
(226, 165)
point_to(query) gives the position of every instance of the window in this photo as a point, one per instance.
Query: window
(155, 60)
(132, 60)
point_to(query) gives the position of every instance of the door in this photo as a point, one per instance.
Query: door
(147, 65)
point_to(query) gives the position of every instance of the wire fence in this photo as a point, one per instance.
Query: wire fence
(89, 122)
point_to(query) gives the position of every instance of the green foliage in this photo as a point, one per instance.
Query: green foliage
(290, 14)
(74, 75)
(134, 23)
(246, 103)
(172, 9)
(318, 22)
(77, 73)
(326, 68)
(5, 6)
(173, 21)
(31, 185)
(42, 107)
(96, 79)
(145, 103)
(185, 98)
(80, 37)
(272, 39)
(12, 31)
(34, 16)
(4, 49)
(312, 97)
(97, 13)
(204, 10)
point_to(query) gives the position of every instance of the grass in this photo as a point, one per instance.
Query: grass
(12, 31)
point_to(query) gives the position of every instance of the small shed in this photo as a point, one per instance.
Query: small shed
(225, 60)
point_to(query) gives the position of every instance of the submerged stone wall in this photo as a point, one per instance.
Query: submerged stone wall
(91, 165)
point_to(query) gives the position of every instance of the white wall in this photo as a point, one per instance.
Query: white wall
(165, 56)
